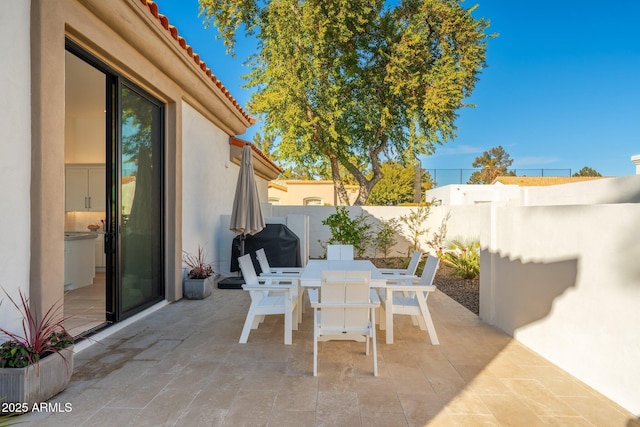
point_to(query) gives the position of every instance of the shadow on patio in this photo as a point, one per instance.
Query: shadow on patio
(182, 365)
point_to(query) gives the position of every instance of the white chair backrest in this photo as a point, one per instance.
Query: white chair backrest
(429, 272)
(413, 264)
(345, 287)
(248, 272)
(344, 252)
(262, 260)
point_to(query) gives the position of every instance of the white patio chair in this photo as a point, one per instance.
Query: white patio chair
(409, 271)
(340, 252)
(408, 296)
(269, 295)
(346, 311)
(267, 270)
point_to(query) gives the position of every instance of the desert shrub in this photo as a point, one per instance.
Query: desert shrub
(463, 257)
(385, 238)
(414, 221)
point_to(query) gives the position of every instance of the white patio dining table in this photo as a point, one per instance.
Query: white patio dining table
(312, 273)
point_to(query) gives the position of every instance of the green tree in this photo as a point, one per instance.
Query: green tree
(346, 83)
(587, 171)
(494, 163)
(396, 186)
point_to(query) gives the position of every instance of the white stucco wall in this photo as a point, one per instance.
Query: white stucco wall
(209, 180)
(469, 194)
(565, 281)
(465, 222)
(624, 189)
(15, 161)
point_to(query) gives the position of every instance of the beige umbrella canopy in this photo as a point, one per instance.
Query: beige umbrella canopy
(246, 216)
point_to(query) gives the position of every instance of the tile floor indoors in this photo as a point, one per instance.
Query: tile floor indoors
(182, 366)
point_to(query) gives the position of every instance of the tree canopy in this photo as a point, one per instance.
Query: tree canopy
(343, 84)
(494, 163)
(397, 185)
(587, 171)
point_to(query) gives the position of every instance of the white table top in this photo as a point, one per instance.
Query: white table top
(312, 273)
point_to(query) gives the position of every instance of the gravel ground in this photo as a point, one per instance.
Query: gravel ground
(464, 291)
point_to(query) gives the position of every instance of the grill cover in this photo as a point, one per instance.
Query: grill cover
(280, 244)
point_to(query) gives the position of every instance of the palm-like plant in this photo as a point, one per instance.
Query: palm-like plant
(463, 257)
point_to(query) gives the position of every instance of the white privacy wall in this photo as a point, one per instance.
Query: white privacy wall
(565, 281)
(208, 182)
(15, 161)
(465, 222)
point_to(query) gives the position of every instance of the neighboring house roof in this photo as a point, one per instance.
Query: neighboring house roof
(274, 184)
(263, 166)
(312, 182)
(538, 181)
(164, 21)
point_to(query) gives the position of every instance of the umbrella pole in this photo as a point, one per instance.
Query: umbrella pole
(241, 251)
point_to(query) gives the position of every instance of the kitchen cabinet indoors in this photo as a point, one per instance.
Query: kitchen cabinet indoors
(85, 188)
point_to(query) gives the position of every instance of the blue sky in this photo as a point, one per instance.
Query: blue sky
(561, 90)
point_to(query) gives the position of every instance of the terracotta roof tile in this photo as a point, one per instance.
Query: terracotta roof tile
(173, 31)
(525, 181)
(241, 142)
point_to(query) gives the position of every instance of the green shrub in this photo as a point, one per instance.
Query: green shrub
(348, 231)
(385, 238)
(414, 221)
(463, 258)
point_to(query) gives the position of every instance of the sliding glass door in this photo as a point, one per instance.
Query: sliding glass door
(140, 203)
(115, 129)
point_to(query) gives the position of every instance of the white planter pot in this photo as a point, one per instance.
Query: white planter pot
(38, 382)
(197, 288)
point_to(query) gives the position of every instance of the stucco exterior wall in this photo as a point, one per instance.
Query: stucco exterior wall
(625, 189)
(209, 184)
(469, 194)
(15, 161)
(565, 281)
(295, 193)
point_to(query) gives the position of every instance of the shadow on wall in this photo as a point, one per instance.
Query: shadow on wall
(525, 292)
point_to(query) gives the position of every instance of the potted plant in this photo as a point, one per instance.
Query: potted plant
(199, 281)
(36, 364)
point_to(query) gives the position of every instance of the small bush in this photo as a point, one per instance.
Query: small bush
(463, 258)
(348, 231)
(385, 239)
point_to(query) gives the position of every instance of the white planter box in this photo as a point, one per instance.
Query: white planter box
(39, 382)
(197, 288)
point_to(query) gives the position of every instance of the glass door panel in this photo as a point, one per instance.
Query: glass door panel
(140, 219)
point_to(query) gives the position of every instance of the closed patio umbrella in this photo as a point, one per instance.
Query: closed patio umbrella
(246, 216)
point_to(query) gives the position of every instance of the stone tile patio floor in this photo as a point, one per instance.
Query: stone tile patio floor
(182, 366)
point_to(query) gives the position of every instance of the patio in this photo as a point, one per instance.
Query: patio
(182, 365)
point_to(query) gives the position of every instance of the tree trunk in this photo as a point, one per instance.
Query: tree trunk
(417, 182)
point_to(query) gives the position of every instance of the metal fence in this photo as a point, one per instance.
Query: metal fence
(461, 176)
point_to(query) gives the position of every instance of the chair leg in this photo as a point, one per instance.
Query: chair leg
(288, 326)
(373, 339)
(426, 315)
(246, 329)
(315, 343)
(389, 324)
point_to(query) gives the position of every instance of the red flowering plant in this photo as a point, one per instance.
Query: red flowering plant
(39, 338)
(198, 268)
